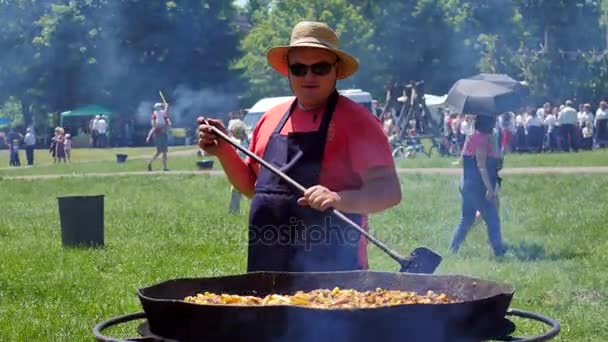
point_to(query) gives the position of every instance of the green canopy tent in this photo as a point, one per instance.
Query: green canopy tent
(78, 118)
(91, 111)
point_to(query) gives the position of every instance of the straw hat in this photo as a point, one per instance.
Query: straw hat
(317, 35)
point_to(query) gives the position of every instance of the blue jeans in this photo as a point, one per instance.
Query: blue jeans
(473, 200)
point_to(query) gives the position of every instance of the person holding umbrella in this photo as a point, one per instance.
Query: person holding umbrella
(333, 147)
(480, 160)
(478, 186)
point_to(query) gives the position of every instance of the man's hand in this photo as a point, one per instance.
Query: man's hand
(320, 198)
(207, 140)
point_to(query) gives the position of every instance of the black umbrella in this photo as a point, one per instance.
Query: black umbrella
(505, 81)
(483, 98)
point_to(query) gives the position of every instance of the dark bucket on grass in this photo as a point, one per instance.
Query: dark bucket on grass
(205, 164)
(81, 220)
(121, 158)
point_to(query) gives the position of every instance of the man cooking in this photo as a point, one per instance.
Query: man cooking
(330, 145)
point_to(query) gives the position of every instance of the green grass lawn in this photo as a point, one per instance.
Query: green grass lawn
(178, 163)
(95, 161)
(42, 156)
(159, 228)
(104, 160)
(582, 158)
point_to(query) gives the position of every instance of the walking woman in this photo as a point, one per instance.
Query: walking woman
(478, 186)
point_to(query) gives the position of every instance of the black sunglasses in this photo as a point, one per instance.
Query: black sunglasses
(319, 69)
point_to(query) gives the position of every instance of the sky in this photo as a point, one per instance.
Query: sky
(240, 2)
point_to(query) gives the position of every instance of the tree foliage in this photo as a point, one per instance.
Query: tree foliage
(273, 25)
(117, 53)
(60, 54)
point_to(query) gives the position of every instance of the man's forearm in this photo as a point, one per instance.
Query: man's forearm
(238, 172)
(377, 195)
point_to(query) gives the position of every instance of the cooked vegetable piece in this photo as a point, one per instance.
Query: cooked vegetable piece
(335, 298)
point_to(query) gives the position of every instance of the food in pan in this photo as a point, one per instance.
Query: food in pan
(327, 299)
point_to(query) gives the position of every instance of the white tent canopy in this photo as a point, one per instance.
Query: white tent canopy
(431, 100)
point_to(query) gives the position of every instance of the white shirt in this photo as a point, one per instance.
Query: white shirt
(465, 128)
(94, 125)
(101, 126)
(455, 124)
(533, 121)
(585, 117)
(519, 120)
(508, 124)
(601, 114)
(551, 122)
(446, 125)
(29, 139)
(567, 116)
(540, 113)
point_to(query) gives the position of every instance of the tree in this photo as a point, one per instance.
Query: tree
(273, 27)
(113, 52)
(19, 64)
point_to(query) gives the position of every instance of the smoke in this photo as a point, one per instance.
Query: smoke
(186, 104)
(143, 112)
(190, 104)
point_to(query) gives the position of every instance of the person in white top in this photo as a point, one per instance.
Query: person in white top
(93, 129)
(601, 124)
(567, 115)
(466, 126)
(586, 136)
(550, 124)
(520, 132)
(567, 119)
(543, 111)
(447, 130)
(533, 120)
(67, 146)
(30, 144)
(534, 131)
(387, 124)
(519, 120)
(585, 116)
(580, 110)
(102, 132)
(456, 124)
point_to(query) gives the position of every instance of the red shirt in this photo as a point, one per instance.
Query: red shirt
(476, 141)
(355, 144)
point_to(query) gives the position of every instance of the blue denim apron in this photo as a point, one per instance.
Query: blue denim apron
(287, 237)
(471, 177)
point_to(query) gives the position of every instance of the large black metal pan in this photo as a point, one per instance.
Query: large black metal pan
(479, 315)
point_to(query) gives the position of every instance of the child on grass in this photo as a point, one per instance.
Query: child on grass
(60, 145)
(68, 147)
(14, 153)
